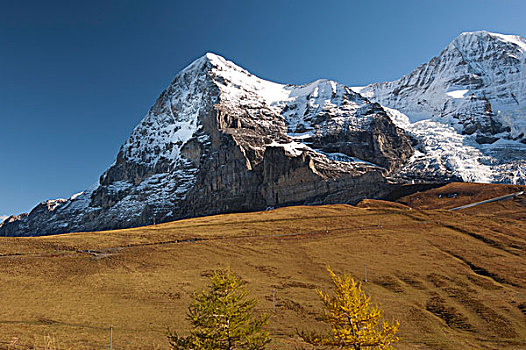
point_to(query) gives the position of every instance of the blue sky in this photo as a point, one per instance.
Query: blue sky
(77, 76)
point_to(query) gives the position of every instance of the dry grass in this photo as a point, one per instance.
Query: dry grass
(456, 194)
(47, 342)
(467, 291)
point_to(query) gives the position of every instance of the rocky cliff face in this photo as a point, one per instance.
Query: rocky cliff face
(220, 140)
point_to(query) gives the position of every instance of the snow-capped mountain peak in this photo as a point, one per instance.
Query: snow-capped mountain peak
(477, 84)
(468, 103)
(467, 41)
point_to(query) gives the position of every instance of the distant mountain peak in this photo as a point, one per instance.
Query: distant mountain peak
(212, 60)
(477, 84)
(474, 92)
(485, 35)
(488, 41)
(219, 61)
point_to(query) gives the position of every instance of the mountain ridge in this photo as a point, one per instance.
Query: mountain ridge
(220, 139)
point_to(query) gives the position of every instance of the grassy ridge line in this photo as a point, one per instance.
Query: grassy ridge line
(277, 221)
(64, 249)
(454, 194)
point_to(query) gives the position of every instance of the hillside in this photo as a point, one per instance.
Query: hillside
(454, 195)
(454, 279)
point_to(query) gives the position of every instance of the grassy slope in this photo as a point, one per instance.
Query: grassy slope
(466, 291)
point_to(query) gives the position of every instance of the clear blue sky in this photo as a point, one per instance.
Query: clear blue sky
(77, 76)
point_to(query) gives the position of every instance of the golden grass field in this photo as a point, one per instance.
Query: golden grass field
(455, 280)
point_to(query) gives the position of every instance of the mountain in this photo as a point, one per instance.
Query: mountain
(467, 107)
(478, 83)
(219, 139)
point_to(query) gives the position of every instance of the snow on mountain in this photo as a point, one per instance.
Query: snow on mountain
(467, 108)
(168, 130)
(219, 139)
(443, 153)
(477, 84)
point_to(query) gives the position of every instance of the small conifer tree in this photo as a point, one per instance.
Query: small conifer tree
(222, 318)
(355, 323)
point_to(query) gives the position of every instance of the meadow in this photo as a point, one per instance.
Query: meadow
(455, 280)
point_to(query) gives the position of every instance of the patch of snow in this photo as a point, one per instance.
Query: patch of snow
(457, 93)
(444, 148)
(239, 80)
(324, 97)
(53, 204)
(76, 195)
(457, 153)
(293, 148)
(506, 38)
(358, 89)
(300, 136)
(515, 120)
(398, 118)
(341, 157)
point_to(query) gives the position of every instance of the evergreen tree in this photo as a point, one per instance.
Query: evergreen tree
(222, 318)
(354, 321)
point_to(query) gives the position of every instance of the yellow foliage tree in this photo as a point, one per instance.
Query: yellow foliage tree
(355, 322)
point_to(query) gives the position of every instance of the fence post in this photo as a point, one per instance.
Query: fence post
(111, 336)
(274, 300)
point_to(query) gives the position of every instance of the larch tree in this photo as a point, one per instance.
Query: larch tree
(222, 318)
(354, 322)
